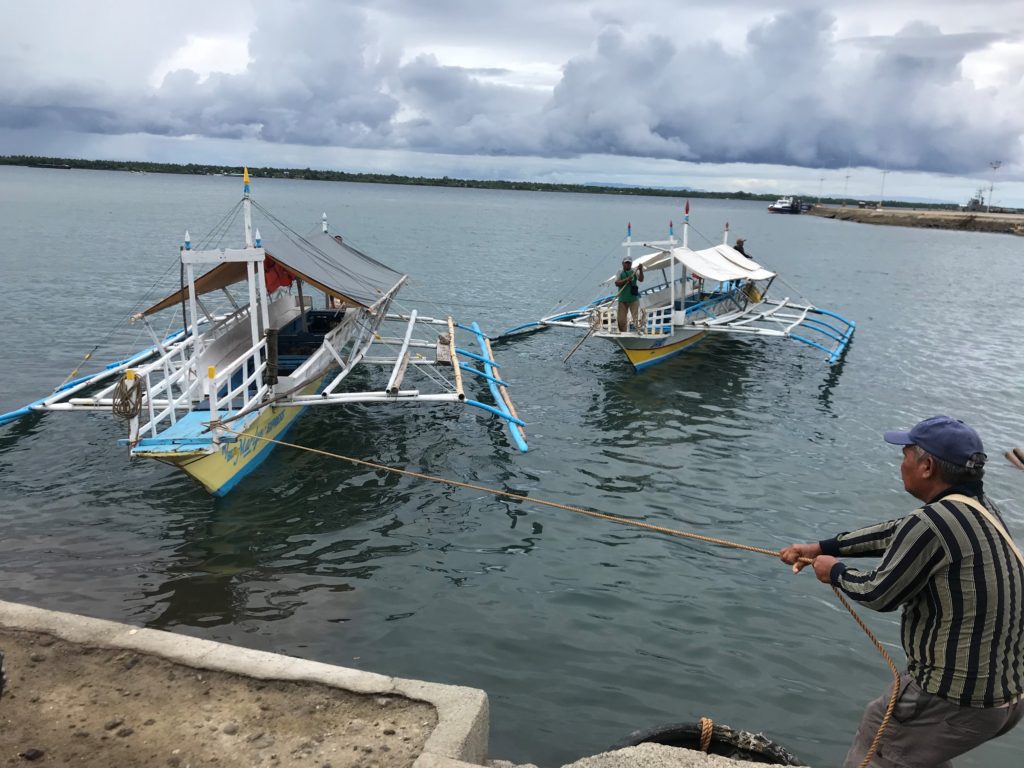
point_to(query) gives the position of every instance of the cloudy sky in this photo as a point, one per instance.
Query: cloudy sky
(781, 96)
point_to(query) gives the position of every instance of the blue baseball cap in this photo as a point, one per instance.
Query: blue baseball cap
(945, 438)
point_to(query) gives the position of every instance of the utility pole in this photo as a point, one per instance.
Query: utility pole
(881, 196)
(821, 181)
(995, 167)
(845, 185)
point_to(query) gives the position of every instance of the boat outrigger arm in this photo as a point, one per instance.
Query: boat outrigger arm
(714, 290)
(212, 398)
(403, 351)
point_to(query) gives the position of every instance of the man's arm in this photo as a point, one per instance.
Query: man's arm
(871, 540)
(915, 554)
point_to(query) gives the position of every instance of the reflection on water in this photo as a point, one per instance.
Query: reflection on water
(831, 380)
(685, 392)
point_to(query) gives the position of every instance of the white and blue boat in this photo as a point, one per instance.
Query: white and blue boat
(275, 327)
(693, 294)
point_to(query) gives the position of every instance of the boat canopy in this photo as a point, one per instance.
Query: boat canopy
(721, 263)
(319, 259)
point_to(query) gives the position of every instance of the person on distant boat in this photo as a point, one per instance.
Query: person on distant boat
(629, 294)
(739, 247)
(959, 576)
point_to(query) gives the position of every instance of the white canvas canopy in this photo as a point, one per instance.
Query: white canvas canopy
(721, 263)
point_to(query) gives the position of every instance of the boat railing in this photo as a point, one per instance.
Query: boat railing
(657, 320)
(227, 391)
(174, 387)
(160, 391)
(605, 318)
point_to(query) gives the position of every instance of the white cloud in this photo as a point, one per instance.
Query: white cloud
(205, 56)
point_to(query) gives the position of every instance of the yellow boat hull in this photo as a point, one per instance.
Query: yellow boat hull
(220, 468)
(643, 351)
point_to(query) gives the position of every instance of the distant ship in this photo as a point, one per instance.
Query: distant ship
(785, 205)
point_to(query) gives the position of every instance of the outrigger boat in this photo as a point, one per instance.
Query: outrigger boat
(207, 398)
(697, 293)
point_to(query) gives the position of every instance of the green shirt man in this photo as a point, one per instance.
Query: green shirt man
(629, 295)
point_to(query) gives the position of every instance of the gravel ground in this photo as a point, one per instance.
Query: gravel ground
(68, 704)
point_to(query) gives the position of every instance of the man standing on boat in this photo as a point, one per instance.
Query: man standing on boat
(629, 294)
(740, 247)
(960, 578)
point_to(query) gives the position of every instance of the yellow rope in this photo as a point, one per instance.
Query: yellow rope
(622, 521)
(88, 356)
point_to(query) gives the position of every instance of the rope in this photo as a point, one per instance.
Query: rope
(70, 376)
(128, 398)
(706, 729)
(895, 681)
(522, 497)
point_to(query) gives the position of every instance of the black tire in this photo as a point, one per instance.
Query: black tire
(725, 741)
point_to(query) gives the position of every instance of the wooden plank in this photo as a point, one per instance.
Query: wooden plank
(443, 351)
(455, 359)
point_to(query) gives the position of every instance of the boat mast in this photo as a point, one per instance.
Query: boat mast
(686, 225)
(255, 269)
(250, 263)
(262, 282)
(671, 267)
(193, 307)
(686, 244)
(247, 208)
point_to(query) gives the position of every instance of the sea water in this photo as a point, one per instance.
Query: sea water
(579, 630)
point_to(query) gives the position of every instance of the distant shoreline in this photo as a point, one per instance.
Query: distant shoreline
(199, 169)
(965, 221)
(194, 169)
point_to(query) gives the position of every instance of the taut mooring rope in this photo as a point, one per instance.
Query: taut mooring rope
(621, 521)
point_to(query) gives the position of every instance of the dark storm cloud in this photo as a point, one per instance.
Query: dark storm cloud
(322, 74)
(791, 96)
(458, 113)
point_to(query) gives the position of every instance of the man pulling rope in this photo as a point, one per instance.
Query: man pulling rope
(959, 577)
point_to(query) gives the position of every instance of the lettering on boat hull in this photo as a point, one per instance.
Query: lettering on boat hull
(218, 472)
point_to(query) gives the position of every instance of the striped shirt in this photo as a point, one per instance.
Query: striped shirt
(962, 591)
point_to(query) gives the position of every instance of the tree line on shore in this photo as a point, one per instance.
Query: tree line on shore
(202, 169)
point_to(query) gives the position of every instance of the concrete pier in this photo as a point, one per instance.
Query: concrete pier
(93, 693)
(169, 682)
(968, 221)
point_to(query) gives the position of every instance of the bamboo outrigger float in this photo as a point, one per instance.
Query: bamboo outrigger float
(697, 293)
(207, 398)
